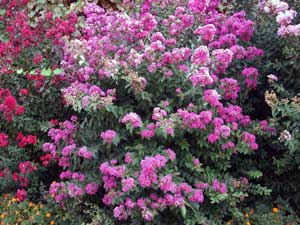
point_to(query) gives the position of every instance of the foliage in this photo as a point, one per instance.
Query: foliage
(285, 117)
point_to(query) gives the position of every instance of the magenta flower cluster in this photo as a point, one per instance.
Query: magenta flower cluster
(63, 148)
(124, 185)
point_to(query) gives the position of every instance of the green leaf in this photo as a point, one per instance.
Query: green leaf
(58, 71)
(20, 71)
(254, 174)
(2, 12)
(183, 211)
(46, 72)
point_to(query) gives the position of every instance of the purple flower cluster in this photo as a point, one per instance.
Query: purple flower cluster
(108, 136)
(121, 187)
(63, 149)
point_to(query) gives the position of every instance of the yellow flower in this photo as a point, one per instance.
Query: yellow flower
(275, 210)
(17, 212)
(2, 216)
(248, 223)
(246, 215)
(52, 222)
(48, 215)
(30, 204)
(37, 213)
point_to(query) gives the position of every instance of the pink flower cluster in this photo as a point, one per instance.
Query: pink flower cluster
(284, 16)
(193, 120)
(108, 136)
(86, 96)
(62, 149)
(230, 87)
(206, 32)
(3, 140)
(77, 186)
(133, 119)
(124, 191)
(250, 140)
(250, 74)
(65, 135)
(201, 77)
(84, 153)
(220, 187)
(163, 123)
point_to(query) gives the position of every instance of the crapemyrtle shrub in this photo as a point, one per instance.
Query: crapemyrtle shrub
(276, 157)
(30, 99)
(158, 125)
(285, 117)
(281, 57)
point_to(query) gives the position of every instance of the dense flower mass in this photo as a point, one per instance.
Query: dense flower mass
(150, 176)
(114, 49)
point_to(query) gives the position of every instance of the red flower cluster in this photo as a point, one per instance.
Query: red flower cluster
(46, 159)
(21, 194)
(26, 167)
(3, 140)
(23, 140)
(8, 105)
(23, 36)
(24, 92)
(23, 181)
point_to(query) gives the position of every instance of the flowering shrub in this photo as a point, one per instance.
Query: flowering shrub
(167, 93)
(285, 112)
(27, 50)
